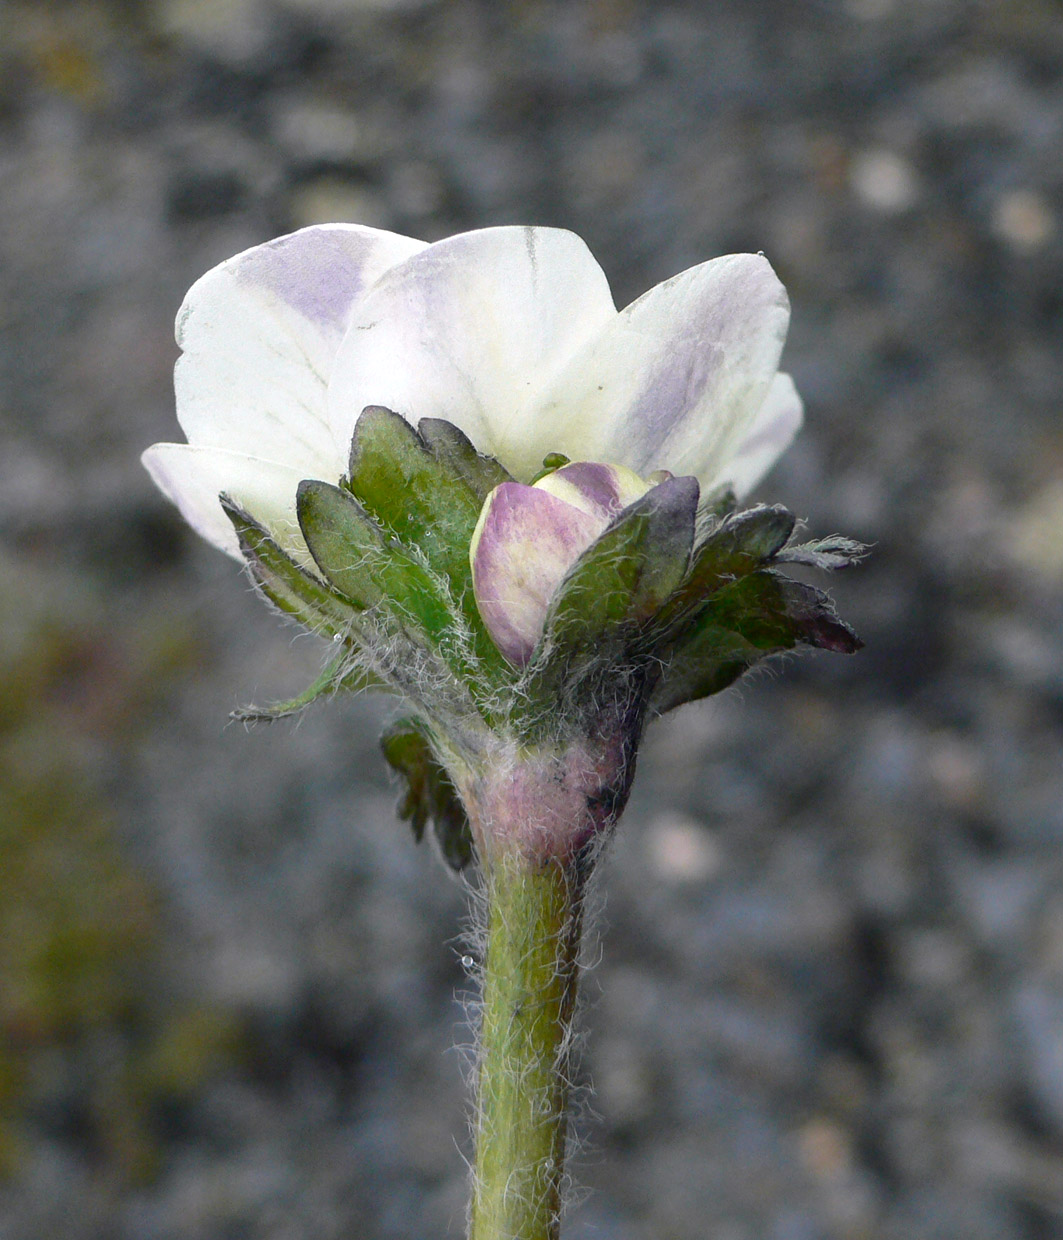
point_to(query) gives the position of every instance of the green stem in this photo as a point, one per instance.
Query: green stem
(530, 975)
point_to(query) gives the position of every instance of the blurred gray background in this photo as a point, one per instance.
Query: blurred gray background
(829, 1000)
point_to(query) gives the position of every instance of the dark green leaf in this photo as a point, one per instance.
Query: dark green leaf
(430, 796)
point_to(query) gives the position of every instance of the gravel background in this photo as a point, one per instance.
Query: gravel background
(829, 1001)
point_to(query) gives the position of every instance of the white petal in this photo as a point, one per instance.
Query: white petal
(777, 422)
(675, 381)
(470, 330)
(259, 335)
(193, 477)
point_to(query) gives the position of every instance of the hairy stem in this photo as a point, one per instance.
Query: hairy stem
(530, 975)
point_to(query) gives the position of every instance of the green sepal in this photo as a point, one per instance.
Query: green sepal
(714, 506)
(430, 797)
(426, 487)
(427, 490)
(619, 584)
(774, 613)
(741, 543)
(816, 622)
(830, 554)
(363, 565)
(288, 586)
(708, 660)
(759, 615)
(340, 673)
(453, 449)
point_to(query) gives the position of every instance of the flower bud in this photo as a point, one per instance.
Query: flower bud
(528, 537)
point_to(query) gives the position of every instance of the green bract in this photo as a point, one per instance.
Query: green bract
(672, 602)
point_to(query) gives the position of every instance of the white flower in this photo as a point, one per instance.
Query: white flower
(509, 333)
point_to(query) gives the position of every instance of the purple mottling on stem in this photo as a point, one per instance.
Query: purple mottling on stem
(548, 804)
(320, 278)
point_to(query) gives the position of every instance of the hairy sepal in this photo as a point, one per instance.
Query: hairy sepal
(752, 618)
(366, 567)
(342, 673)
(453, 450)
(429, 796)
(714, 506)
(289, 587)
(425, 488)
(830, 554)
(739, 544)
(604, 609)
(418, 487)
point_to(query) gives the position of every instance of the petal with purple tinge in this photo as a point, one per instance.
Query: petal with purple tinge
(777, 422)
(469, 330)
(259, 336)
(677, 378)
(601, 491)
(193, 478)
(525, 542)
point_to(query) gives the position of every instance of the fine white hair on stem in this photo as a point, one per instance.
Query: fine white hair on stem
(472, 945)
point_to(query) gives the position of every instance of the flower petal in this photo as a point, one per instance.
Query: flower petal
(525, 542)
(469, 330)
(776, 423)
(259, 334)
(676, 379)
(193, 477)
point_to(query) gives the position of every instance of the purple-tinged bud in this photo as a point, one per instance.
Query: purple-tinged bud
(601, 491)
(528, 537)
